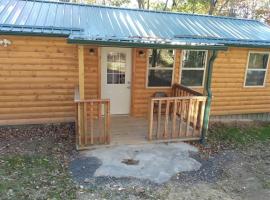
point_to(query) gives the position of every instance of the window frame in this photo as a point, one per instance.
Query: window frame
(204, 68)
(266, 70)
(149, 68)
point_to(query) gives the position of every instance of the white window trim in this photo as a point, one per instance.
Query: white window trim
(265, 70)
(163, 68)
(203, 68)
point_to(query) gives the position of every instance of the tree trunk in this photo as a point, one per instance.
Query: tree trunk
(141, 4)
(213, 4)
(166, 4)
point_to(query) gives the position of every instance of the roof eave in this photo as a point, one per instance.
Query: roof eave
(249, 45)
(19, 33)
(144, 45)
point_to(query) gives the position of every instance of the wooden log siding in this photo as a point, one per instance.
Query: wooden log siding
(37, 79)
(229, 94)
(38, 76)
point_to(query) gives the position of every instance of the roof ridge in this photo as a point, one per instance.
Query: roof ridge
(143, 10)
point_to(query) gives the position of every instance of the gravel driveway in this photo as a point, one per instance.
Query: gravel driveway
(226, 175)
(154, 162)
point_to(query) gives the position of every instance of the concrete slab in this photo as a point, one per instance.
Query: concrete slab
(157, 162)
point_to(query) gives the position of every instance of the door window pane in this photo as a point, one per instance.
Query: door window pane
(116, 68)
(122, 78)
(109, 78)
(122, 58)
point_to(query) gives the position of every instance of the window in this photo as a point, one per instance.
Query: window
(193, 67)
(160, 67)
(256, 68)
(116, 68)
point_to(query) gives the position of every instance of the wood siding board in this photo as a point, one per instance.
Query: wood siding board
(38, 76)
(37, 80)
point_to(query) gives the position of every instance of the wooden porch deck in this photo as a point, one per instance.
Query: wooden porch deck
(128, 130)
(175, 118)
(133, 130)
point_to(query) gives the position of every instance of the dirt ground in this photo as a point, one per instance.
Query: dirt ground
(34, 161)
(227, 172)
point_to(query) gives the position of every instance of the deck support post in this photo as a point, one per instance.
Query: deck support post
(207, 88)
(81, 109)
(81, 71)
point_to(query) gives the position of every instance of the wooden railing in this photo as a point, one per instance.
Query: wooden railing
(180, 116)
(92, 121)
(182, 91)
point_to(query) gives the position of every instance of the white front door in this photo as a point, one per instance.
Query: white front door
(116, 78)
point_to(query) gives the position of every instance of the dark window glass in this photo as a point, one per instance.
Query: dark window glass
(255, 78)
(160, 67)
(192, 77)
(109, 78)
(194, 59)
(159, 78)
(193, 66)
(258, 61)
(257, 65)
(161, 58)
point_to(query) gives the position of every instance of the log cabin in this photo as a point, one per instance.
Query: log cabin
(128, 75)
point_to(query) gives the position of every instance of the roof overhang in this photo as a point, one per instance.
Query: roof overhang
(137, 44)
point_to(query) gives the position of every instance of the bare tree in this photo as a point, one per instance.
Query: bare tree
(148, 4)
(141, 4)
(212, 7)
(166, 5)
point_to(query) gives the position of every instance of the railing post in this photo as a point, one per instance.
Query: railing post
(159, 118)
(202, 115)
(151, 110)
(92, 122)
(190, 102)
(85, 123)
(168, 102)
(174, 118)
(107, 122)
(81, 70)
(81, 124)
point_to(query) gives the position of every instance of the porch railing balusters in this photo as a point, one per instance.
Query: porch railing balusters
(159, 118)
(89, 130)
(166, 119)
(182, 118)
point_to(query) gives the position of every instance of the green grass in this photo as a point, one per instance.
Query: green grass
(266, 184)
(34, 177)
(238, 135)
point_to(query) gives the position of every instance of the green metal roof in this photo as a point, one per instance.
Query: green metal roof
(83, 23)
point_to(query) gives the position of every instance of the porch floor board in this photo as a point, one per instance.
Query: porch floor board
(128, 130)
(133, 130)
